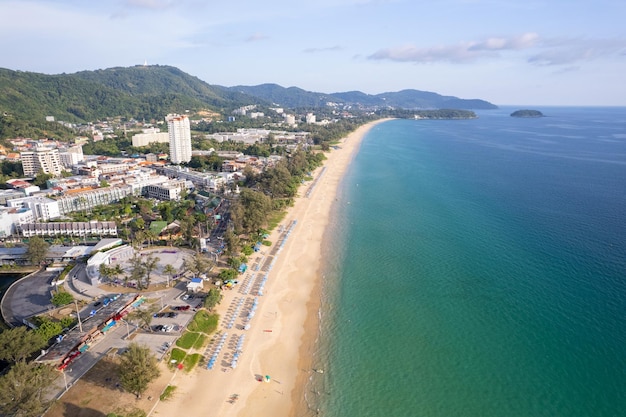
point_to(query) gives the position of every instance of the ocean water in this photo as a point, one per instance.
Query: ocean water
(478, 268)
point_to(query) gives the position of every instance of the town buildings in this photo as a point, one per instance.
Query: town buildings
(150, 135)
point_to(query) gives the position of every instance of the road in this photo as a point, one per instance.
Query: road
(27, 297)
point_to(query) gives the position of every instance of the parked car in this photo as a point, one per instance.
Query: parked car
(172, 315)
(181, 308)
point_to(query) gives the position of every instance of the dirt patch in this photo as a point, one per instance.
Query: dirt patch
(98, 393)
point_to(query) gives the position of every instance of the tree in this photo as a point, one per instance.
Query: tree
(149, 265)
(251, 210)
(227, 274)
(151, 236)
(61, 298)
(105, 271)
(137, 369)
(169, 270)
(19, 343)
(233, 242)
(23, 390)
(213, 298)
(41, 179)
(234, 262)
(199, 264)
(186, 228)
(137, 271)
(37, 250)
(143, 316)
(47, 328)
(116, 271)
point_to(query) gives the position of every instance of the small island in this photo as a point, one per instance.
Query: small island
(527, 113)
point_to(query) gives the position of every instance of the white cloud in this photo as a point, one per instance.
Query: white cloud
(150, 4)
(256, 37)
(568, 51)
(452, 53)
(327, 49)
(527, 40)
(563, 51)
(462, 52)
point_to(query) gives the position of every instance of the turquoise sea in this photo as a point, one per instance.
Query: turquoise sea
(478, 268)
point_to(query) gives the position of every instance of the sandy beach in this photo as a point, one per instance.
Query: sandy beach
(282, 333)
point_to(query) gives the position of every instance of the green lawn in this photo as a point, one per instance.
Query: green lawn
(204, 322)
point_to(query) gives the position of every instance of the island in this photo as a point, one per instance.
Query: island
(527, 113)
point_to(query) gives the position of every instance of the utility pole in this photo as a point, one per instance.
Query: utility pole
(127, 329)
(80, 324)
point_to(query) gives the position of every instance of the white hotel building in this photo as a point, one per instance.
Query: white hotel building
(180, 138)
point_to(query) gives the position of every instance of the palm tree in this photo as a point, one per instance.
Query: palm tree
(149, 265)
(140, 237)
(150, 235)
(169, 270)
(116, 271)
(137, 270)
(106, 272)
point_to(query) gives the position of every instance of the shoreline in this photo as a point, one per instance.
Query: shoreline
(285, 330)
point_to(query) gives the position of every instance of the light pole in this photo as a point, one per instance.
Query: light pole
(80, 324)
(65, 380)
(127, 329)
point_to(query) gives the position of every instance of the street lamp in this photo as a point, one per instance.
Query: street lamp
(127, 329)
(80, 324)
(65, 380)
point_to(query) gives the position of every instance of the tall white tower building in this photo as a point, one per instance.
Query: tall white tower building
(180, 138)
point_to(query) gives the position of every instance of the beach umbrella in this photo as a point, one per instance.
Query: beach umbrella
(267, 378)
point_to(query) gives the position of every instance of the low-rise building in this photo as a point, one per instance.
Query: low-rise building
(76, 229)
(43, 208)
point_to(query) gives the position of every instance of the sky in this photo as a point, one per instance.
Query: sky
(521, 52)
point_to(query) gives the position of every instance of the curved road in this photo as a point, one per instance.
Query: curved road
(27, 297)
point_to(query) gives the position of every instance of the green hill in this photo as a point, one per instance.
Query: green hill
(136, 92)
(294, 97)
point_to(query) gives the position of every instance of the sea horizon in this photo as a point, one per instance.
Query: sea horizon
(474, 268)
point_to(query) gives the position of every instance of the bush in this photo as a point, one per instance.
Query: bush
(61, 298)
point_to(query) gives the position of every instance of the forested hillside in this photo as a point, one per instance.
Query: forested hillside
(294, 97)
(136, 92)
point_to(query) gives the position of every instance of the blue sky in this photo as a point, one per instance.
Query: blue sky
(541, 52)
